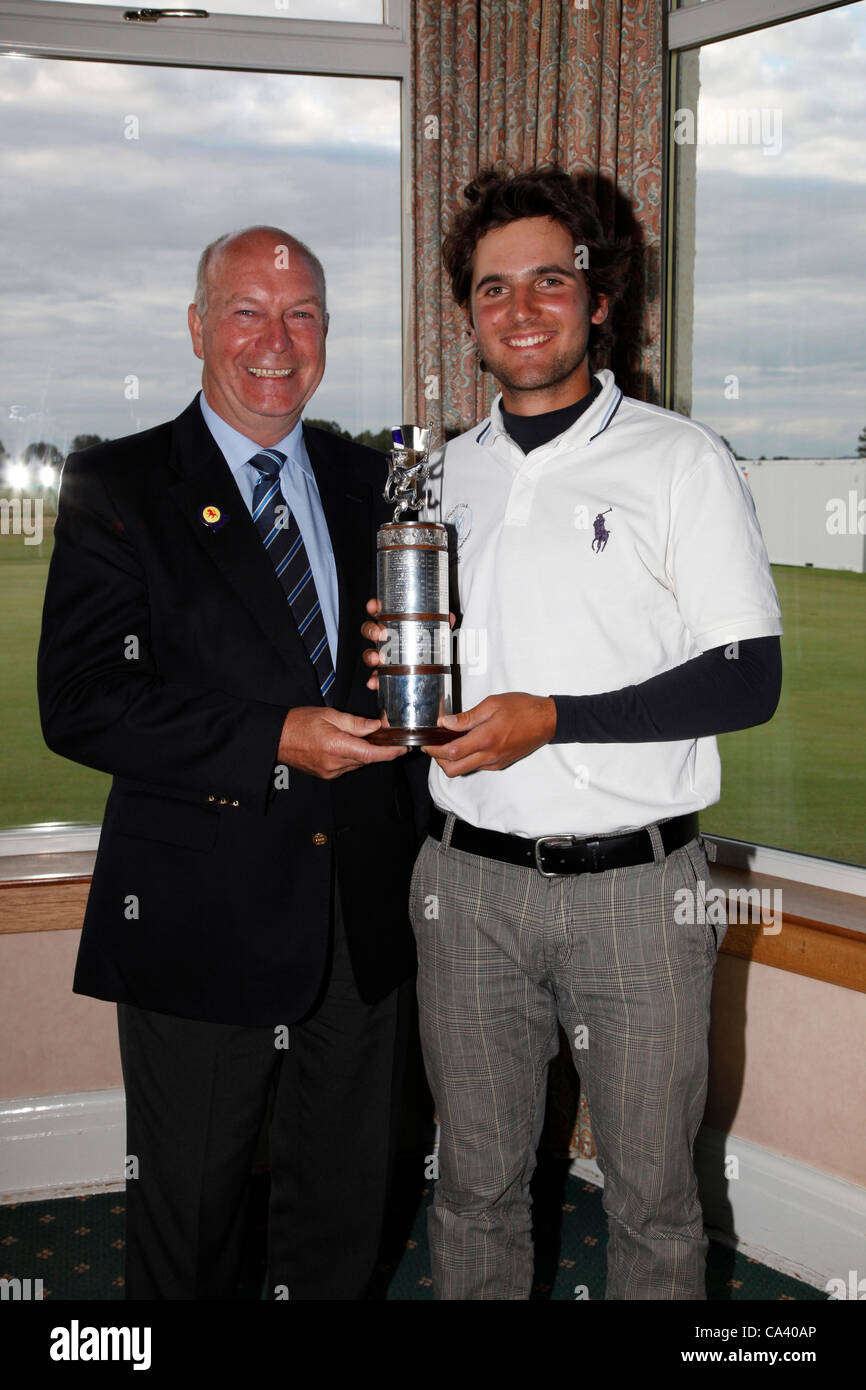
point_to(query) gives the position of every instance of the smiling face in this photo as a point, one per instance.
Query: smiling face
(530, 316)
(262, 336)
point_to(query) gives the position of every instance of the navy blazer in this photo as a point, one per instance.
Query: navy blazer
(169, 658)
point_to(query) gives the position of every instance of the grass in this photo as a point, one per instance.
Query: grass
(796, 782)
(35, 785)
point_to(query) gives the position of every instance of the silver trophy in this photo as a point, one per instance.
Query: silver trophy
(412, 587)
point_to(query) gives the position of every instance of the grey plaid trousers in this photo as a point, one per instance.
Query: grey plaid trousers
(503, 954)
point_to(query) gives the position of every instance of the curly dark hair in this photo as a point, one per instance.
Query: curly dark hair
(496, 197)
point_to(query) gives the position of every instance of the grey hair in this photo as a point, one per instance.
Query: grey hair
(284, 238)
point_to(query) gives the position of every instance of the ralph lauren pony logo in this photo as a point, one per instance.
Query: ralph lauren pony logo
(601, 534)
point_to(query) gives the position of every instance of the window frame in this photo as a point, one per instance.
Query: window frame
(51, 29)
(45, 28)
(330, 48)
(687, 29)
(692, 26)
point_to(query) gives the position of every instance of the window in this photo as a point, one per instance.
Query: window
(768, 347)
(121, 172)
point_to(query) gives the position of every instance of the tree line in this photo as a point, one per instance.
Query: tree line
(42, 452)
(861, 449)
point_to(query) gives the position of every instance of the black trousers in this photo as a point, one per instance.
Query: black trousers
(197, 1095)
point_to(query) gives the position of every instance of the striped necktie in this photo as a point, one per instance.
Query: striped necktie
(284, 543)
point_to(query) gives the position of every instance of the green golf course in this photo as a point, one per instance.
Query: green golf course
(797, 782)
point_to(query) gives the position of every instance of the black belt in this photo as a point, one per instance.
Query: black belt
(563, 854)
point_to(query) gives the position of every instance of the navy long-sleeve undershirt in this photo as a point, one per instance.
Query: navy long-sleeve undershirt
(727, 688)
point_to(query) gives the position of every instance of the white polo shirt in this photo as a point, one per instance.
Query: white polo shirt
(624, 547)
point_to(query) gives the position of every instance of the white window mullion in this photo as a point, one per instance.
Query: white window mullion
(723, 19)
(56, 30)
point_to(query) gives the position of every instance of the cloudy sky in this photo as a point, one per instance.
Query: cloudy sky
(102, 233)
(780, 286)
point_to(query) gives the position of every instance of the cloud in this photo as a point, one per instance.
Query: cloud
(103, 232)
(779, 291)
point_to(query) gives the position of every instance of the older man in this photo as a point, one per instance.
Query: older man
(200, 642)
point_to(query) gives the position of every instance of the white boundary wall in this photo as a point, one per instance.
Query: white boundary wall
(812, 511)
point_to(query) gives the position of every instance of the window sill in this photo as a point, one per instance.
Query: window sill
(807, 928)
(818, 932)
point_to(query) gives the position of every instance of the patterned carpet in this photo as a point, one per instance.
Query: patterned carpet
(580, 1260)
(75, 1245)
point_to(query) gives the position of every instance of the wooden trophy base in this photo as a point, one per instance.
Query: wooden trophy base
(411, 738)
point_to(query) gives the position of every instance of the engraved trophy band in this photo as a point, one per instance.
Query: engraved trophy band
(412, 587)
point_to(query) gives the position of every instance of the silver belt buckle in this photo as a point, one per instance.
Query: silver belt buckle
(550, 840)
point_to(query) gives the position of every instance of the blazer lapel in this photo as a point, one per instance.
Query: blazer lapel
(234, 545)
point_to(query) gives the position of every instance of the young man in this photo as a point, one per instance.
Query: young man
(614, 585)
(200, 643)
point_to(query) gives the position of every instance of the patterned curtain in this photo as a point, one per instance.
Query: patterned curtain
(576, 82)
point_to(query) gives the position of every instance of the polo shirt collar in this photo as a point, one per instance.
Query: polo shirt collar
(585, 428)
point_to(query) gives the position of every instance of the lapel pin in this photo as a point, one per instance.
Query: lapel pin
(213, 518)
